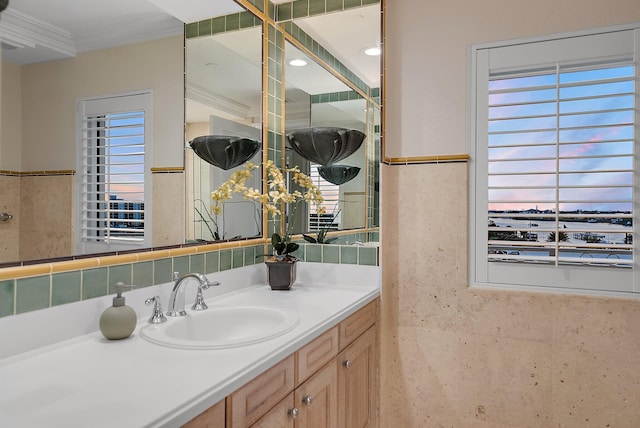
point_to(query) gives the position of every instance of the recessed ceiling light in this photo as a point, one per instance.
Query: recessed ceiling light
(372, 51)
(298, 62)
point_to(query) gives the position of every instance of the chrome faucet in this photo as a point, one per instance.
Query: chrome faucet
(176, 300)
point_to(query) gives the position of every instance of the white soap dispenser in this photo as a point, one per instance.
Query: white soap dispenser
(119, 320)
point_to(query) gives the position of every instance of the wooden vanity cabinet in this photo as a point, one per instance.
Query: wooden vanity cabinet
(213, 417)
(252, 401)
(314, 404)
(317, 399)
(357, 370)
(281, 416)
(314, 400)
(329, 383)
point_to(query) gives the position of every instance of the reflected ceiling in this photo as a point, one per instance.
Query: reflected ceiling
(40, 30)
(348, 33)
(234, 59)
(44, 30)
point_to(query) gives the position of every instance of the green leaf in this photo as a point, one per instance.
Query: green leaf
(291, 247)
(310, 239)
(275, 239)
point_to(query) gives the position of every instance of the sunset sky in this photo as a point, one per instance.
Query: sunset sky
(581, 121)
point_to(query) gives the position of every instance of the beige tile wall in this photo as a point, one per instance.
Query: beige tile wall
(9, 230)
(46, 223)
(168, 208)
(43, 223)
(452, 356)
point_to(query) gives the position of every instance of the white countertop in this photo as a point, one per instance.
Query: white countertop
(89, 381)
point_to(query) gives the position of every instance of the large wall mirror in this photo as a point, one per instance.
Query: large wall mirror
(56, 58)
(223, 99)
(56, 54)
(79, 56)
(315, 98)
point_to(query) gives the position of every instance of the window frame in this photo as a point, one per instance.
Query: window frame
(516, 54)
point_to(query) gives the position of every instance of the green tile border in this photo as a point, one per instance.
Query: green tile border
(306, 8)
(66, 287)
(40, 292)
(221, 24)
(33, 293)
(7, 297)
(330, 97)
(226, 259)
(142, 274)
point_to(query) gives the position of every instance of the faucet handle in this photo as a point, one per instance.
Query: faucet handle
(199, 304)
(204, 283)
(157, 317)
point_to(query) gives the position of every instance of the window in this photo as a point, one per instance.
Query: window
(553, 163)
(113, 190)
(330, 219)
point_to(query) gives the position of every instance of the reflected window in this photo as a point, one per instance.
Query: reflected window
(329, 216)
(112, 197)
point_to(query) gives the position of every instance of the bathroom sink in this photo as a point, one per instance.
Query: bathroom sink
(221, 327)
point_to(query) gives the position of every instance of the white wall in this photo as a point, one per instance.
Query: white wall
(10, 117)
(426, 55)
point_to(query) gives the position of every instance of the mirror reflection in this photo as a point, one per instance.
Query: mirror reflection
(38, 141)
(374, 173)
(316, 98)
(64, 73)
(223, 98)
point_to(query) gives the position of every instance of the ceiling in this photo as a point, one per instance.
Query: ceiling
(346, 34)
(43, 30)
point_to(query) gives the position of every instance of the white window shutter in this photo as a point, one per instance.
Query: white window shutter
(113, 189)
(554, 163)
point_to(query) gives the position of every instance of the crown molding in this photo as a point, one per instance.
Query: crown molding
(20, 30)
(210, 98)
(39, 39)
(129, 31)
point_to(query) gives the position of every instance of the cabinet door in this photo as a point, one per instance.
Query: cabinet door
(317, 399)
(281, 416)
(249, 403)
(213, 417)
(357, 405)
(357, 324)
(311, 357)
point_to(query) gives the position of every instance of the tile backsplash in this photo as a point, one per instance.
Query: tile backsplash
(19, 295)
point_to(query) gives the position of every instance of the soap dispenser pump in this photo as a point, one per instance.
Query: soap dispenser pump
(119, 320)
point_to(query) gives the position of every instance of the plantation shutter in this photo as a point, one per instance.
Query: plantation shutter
(331, 194)
(555, 163)
(112, 182)
(561, 147)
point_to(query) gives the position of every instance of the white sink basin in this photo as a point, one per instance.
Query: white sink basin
(221, 327)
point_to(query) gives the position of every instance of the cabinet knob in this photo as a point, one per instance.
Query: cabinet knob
(306, 400)
(346, 364)
(293, 412)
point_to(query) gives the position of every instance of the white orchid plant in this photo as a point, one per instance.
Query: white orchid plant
(275, 198)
